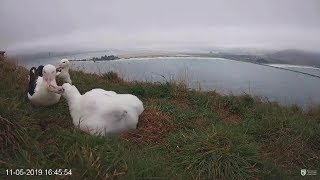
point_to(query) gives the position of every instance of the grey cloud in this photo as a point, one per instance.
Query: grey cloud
(78, 24)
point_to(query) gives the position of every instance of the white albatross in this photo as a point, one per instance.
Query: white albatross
(43, 90)
(100, 112)
(63, 70)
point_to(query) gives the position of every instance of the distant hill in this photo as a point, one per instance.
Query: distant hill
(297, 57)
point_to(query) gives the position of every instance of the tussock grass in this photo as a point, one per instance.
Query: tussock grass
(216, 153)
(10, 137)
(183, 134)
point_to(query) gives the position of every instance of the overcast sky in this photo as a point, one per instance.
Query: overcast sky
(53, 25)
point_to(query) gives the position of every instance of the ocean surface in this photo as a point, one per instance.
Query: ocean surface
(223, 75)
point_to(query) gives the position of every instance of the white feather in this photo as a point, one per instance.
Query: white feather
(101, 112)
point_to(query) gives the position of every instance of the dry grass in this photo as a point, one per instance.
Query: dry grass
(227, 116)
(289, 152)
(199, 123)
(314, 113)
(9, 139)
(183, 103)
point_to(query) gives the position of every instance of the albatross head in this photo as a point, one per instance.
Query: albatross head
(49, 73)
(69, 91)
(64, 64)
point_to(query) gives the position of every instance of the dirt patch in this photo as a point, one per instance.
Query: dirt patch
(227, 116)
(199, 123)
(153, 126)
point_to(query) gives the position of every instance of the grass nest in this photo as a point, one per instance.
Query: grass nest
(153, 126)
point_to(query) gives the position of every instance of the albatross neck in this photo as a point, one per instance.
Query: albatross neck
(72, 97)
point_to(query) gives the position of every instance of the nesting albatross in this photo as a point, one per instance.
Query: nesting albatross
(63, 69)
(43, 89)
(100, 112)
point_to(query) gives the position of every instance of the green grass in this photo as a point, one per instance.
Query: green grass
(183, 134)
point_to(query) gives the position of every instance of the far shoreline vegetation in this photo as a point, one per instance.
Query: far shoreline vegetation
(182, 134)
(102, 58)
(244, 58)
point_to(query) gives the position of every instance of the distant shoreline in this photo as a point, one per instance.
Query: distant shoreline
(278, 65)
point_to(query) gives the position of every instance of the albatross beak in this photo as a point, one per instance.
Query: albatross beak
(49, 80)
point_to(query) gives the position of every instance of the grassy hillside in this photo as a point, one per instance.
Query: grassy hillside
(182, 134)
